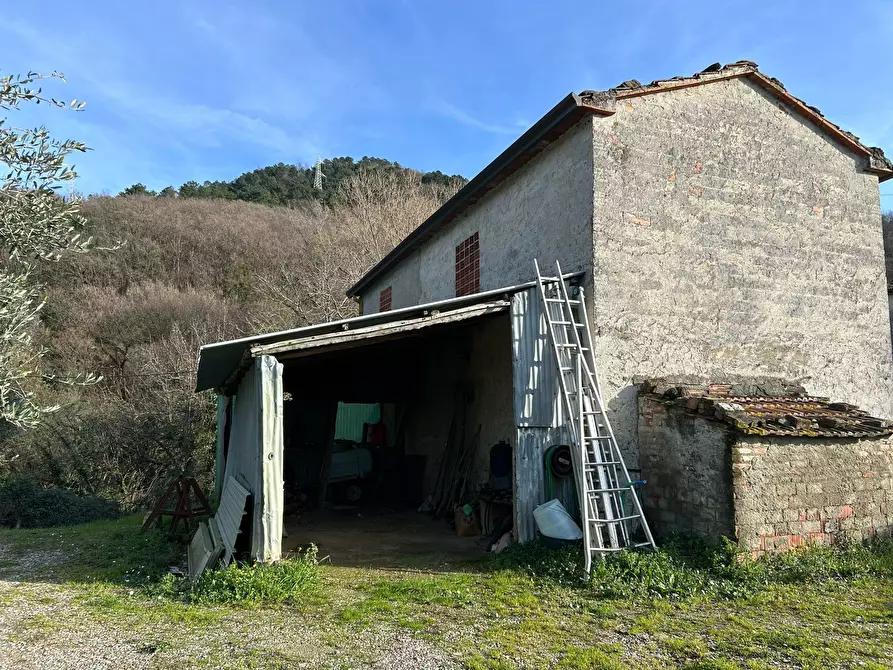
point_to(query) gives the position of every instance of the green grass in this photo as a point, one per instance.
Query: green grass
(291, 581)
(689, 605)
(686, 568)
(112, 552)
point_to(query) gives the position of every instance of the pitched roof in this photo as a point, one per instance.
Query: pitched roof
(790, 413)
(575, 107)
(877, 162)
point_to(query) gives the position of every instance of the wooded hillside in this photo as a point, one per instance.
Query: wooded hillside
(290, 185)
(173, 273)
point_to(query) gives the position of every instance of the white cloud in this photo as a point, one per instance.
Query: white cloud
(450, 111)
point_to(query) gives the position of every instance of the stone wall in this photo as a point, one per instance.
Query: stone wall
(404, 283)
(793, 491)
(686, 460)
(542, 211)
(733, 238)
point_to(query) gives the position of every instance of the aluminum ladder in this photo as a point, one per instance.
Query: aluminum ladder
(609, 505)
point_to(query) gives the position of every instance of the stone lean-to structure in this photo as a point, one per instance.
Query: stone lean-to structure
(724, 228)
(764, 463)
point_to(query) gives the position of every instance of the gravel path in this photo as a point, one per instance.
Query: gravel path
(44, 626)
(47, 626)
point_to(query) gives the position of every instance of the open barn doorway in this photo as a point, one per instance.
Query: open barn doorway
(383, 440)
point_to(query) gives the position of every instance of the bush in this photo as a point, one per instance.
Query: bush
(288, 581)
(24, 503)
(687, 567)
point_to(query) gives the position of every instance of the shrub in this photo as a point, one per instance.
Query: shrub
(25, 503)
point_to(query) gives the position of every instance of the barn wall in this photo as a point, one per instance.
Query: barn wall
(542, 211)
(687, 465)
(466, 373)
(731, 237)
(790, 491)
(538, 413)
(404, 283)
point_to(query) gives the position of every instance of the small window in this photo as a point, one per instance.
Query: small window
(468, 266)
(384, 300)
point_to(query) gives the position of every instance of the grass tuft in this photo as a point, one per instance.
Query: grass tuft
(688, 568)
(289, 581)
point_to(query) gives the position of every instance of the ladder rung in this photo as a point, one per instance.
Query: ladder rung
(591, 468)
(613, 489)
(619, 519)
(570, 345)
(562, 301)
(631, 546)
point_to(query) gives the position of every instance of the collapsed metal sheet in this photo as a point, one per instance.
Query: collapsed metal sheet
(202, 551)
(229, 515)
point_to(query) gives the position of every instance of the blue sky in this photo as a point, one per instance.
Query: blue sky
(180, 90)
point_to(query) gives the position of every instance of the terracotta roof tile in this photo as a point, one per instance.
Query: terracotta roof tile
(877, 161)
(792, 413)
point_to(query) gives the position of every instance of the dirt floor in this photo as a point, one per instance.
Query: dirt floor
(381, 538)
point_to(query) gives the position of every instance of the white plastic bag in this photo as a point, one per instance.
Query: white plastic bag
(554, 521)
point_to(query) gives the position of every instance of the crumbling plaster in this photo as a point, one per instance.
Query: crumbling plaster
(730, 237)
(542, 211)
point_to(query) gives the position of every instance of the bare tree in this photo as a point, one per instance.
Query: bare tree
(379, 208)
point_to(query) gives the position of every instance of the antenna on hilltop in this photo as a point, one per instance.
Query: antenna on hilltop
(317, 174)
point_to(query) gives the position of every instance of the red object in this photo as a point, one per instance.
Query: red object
(384, 299)
(468, 266)
(376, 434)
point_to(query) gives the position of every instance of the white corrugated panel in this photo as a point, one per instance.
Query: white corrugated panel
(538, 410)
(202, 551)
(229, 516)
(256, 452)
(537, 398)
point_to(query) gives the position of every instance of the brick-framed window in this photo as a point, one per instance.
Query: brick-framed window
(384, 299)
(468, 266)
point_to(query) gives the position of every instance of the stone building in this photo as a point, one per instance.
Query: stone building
(718, 225)
(762, 462)
(723, 226)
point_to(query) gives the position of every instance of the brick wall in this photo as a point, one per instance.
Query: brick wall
(790, 492)
(686, 460)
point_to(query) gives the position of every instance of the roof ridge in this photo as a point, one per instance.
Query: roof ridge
(877, 161)
(571, 110)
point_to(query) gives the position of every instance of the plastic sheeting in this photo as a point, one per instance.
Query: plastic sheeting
(255, 455)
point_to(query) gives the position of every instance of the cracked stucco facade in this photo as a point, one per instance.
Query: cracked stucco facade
(721, 234)
(542, 211)
(732, 238)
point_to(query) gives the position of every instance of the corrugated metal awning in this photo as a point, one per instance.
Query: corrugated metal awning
(219, 362)
(314, 344)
